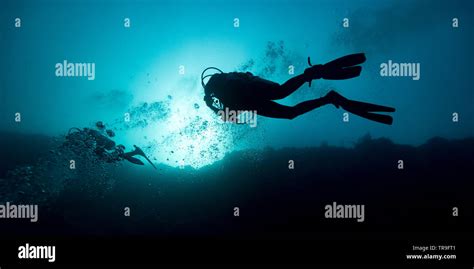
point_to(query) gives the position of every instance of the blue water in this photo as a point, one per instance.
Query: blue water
(141, 64)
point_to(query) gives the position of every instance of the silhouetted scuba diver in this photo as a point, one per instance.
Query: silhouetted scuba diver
(105, 147)
(239, 91)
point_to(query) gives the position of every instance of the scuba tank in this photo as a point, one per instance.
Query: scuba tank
(227, 89)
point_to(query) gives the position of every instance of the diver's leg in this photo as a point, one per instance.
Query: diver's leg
(288, 87)
(274, 110)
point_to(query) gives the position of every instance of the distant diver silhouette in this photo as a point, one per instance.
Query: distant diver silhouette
(245, 92)
(105, 147)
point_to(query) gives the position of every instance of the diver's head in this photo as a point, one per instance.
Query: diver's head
(213, 102)
(110, 133)
(210, 89)
(100, 125)
(121, 147)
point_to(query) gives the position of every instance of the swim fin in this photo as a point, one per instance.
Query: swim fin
(139, 151)
(346, 61)
(365, 110)
(385, 119)
(341, 68)
(341, 73)
(361, 109)
(344, 67)
(133, 160)
(370, 107)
